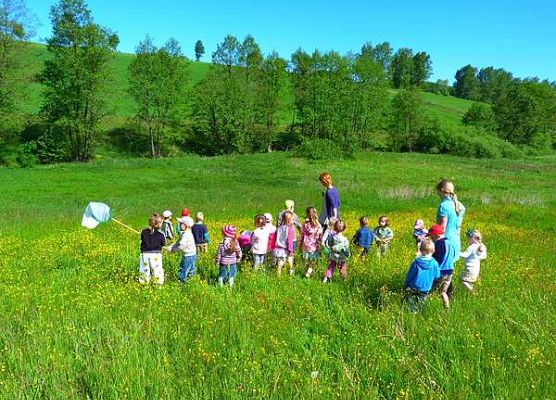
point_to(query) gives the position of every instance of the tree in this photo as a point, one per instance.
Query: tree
(272, 88)
(480, 115)
(76, 77)
(493, 83)
(466, 85)
(14, 30)
(422, 68)
(407, 118)
(402, 68)
(380, 54)
(199, 50)
(157, 82)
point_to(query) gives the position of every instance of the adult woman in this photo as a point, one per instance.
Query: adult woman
(331, 200)
(449, 216)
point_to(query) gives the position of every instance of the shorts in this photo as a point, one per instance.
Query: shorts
(311, 256)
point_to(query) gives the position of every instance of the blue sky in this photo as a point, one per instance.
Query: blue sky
(518, 35)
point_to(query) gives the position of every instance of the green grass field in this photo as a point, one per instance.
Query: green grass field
(74, 323)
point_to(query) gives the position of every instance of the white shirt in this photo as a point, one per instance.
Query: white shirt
(473, 256)
(259, 240)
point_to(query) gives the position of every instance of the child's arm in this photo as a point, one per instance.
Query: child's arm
(218, 256)
(470, 250)
(482, 252)
(411, 273)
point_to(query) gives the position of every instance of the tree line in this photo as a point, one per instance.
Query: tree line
(319, 103)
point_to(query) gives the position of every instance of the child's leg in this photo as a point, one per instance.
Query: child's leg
(144, 269)
(233, 270)
(310, 267)
(468, 285)
(156, 265)
(258, 259)
(281, 261)
(290, 262)
(222, 274)
(329, 271)
(192, 266)
(343, 269)
(182, 273)
(445, 282)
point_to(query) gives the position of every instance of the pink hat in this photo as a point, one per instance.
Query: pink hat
(229, 231)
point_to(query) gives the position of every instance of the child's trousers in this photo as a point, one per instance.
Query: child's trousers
(150, 264)
(187, 267)
(342, 266)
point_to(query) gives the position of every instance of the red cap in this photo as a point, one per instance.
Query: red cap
(185, 212)
(436, 230)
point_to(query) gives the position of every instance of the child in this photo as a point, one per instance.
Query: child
(284, 247)
(423, 271)
(444, 254)
(244, 241)
(472, 257)
(329, 232)
(383, 235)
(311, 233)
(419, 232)
(339, 251)
(363, 237)
(150, 259)
(186, 244)
(289, 207)
(259, 241)
(200, 233)
(271, 233)
(184, 213)
(228, 255)
(167, 227)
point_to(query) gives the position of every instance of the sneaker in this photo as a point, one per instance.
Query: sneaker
(326, 280)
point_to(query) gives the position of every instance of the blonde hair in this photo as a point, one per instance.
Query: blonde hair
(199, 216)
(427, 247)
(288, 217)
(312, 216)
(325, 178)
(446, 186)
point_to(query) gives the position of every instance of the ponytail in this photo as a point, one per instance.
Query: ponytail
(456, 203)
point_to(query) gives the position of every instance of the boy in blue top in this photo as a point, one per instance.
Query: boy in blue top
(445, 254)
(363, 237)
(423, 271)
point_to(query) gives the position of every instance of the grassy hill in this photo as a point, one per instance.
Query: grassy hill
(448, 110)
(74, 323)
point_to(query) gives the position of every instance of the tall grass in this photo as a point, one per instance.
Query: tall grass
(75, 324)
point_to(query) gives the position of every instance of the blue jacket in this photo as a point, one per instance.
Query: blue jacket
(363, 237)
(423, 271)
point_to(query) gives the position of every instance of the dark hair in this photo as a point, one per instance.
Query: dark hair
(384, 217)
(340, 226)
(260, 220)
(364, 221)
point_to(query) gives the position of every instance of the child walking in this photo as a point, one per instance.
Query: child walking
(284, 246)
(259, 241)
(363, 237)
(167, 227)
(150, 259)
(339, 252)
(186, 244)
(419, 232)
(423, 271)
(228, 255)
(311, 233)
(444, 254)
(200, 233)
(472, 257)
(383, 235)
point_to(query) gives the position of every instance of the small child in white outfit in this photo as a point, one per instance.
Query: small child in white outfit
(472, 257)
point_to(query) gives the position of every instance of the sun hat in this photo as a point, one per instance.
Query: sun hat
(167, 214)
(474, 233)
(229, 231)
(436, 229)
(419, 224)
(188, 221)
(268, 217)
(185, 212)
(289, 204)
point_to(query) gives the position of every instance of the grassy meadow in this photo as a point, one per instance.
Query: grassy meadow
(74, 322)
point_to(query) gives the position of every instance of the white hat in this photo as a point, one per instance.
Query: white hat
(268, 217)
(188, 221)
(167, 214)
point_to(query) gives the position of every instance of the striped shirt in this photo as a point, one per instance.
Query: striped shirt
(225, 255)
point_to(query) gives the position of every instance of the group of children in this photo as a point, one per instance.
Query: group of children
(277, 244)
(431, 266)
